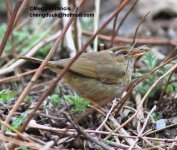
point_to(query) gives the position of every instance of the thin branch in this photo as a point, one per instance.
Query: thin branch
(164, 89)
(10, 26)
(108, 114)
(122, 21)
(145, 96)
(37, 74)
(113, 32)
(34, 50)
(123, 100)
(73, 132)
(143, 128)
(87, 136)
(137, 28)
(63, 71)
(159, 130)
(151, 41)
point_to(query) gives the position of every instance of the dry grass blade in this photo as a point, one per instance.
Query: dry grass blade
(145, 96)
(63, 71)
(39, 71)
(51, 113)
(151, 41)
(143, 128)
(10, 26)
(122, 101)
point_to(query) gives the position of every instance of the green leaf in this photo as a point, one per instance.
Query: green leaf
(2, 30)
(80, 104)
(23, 148)
(175, 86)
(55, 99)
(57, 89)
(150, 60)
(86, 23)
(154, 116)
(6, 95)
(169, 88)
(18, 121)
(162, 70)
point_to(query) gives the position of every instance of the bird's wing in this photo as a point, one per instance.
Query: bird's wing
(95, 66)
(80, 66)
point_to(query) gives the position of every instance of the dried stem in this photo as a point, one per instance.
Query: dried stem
(123, 100)
(151, 41)
(143, 128)
(37, 74)
(137, 28)
(63, 71)
(147, 93)
(10, 26)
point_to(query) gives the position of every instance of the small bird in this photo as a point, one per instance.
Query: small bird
(98, 76)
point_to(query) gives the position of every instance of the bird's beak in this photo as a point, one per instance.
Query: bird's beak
(140, 51)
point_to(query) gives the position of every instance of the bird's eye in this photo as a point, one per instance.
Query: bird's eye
(123, 52)
(120, 52)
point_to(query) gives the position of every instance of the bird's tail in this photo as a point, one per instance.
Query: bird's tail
(51, 65)
(31, 59)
